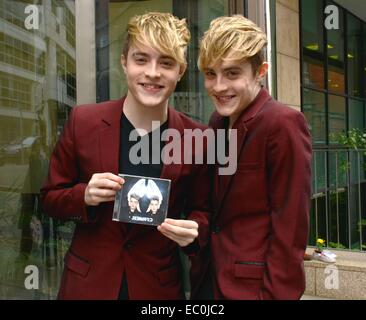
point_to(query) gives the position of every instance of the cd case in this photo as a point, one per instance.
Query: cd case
(142, 200)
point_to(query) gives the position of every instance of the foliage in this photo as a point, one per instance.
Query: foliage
(361, 224)
(336, 245)
(354, 138)
(320, 244)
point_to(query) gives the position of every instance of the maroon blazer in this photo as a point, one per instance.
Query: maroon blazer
(260, 221)
(103, 250)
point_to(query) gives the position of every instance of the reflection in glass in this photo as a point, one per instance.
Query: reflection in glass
(364, 61)
(37, 90)
(354, 59)
(336, 114)
(335, 53)
(338, 169)
(319, 171)
(314, 111)
(312, 44)
(356, 114)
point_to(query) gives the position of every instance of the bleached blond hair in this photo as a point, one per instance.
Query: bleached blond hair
(234, 38)
(162, 31)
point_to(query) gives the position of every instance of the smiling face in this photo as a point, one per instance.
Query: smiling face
(154, 206)
(151, 75)
(232, 86)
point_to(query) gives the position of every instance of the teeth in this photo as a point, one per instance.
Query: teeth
(151, 86)
(224, 98)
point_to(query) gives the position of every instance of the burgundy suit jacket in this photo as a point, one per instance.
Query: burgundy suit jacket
(260, 220)
(103, 250)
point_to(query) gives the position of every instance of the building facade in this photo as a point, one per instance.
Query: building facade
(55, 54)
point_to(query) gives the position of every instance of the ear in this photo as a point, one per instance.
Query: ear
(182, 69)
(123, 62)
(263, 69)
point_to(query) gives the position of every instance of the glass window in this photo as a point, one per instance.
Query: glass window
(364, 61)
(190, 96)
(335, 54)
(33, 107)
(356, 114)
(336, 114)
(314, 111)
(354, 58)
(312, 43)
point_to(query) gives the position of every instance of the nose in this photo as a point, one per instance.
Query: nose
(152, 71)
(219, 84)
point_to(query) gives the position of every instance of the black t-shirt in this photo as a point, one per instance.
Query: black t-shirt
(143, 169)
(125, 166)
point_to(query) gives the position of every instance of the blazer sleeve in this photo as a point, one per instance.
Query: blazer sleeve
(289, 175)
(62, 195)
(198, 208)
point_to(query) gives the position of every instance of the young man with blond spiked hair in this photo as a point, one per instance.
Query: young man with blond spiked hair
(115, 260)
(260, 220)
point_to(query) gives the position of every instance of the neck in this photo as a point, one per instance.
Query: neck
(142, 116)
(235, 116)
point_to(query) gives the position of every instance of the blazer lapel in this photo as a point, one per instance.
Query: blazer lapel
(109, 138)
(222, 183)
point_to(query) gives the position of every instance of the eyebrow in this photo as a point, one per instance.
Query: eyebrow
(139, 53)
(234, 68)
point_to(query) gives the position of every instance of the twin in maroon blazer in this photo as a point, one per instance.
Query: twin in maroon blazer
(103, 250)
(261, 213)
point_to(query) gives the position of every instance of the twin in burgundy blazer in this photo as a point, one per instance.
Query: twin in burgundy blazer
(261, 213)
(103, 250)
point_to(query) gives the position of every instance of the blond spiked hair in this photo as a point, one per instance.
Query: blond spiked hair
(234, 38)
(163, 31)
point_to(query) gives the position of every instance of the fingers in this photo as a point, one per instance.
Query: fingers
(97, 200)
(107, 180)
(181, 241)
(102, 193)
(102, 187)
(189, 224)
(109, 176)
(106, 184)
(181, 231)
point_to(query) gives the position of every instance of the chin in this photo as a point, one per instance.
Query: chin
(151, 103)
(224, 112)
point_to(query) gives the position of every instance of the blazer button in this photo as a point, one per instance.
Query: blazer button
(215, 229)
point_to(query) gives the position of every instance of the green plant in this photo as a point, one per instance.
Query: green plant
(361, 224)
(354, 138)
(320, 244)
(336, 245)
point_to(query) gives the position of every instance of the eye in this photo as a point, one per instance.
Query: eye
(168, 63)
(140, 60)
(210, 74)
(232, 74)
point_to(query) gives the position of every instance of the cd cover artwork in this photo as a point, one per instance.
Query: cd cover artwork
(142, 200)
